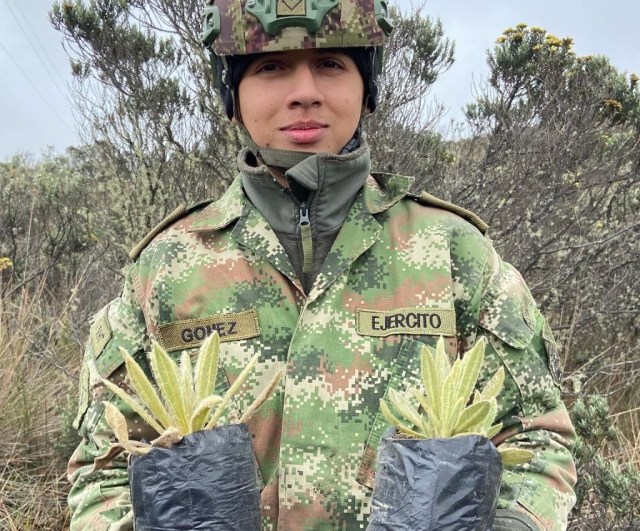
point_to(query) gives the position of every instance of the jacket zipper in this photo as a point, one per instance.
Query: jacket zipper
(304, 222)
(307, 240)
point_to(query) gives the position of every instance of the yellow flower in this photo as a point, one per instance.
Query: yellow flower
(521, 26)
(5, 263)
(501, 39)
(552, 40)
(634, 79)
(615, 104)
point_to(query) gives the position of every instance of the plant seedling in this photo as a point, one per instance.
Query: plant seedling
(182, 401)
(449, 406)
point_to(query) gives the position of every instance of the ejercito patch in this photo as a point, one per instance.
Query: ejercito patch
(415, 321)
(191, 333)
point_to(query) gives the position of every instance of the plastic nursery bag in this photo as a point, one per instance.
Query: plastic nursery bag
(435, 484)
(207, 481)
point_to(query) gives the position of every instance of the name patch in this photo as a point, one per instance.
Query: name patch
(416, 321)
(191, 333)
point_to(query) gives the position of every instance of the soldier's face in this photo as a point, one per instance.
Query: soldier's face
(303, 100)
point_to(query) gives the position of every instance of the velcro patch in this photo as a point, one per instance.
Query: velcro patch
(191, 333)
(415, 321)
(100, 333)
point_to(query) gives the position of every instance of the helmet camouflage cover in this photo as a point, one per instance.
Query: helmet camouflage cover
(243, 27)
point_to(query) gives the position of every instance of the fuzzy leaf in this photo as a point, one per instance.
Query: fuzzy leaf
(494, 430)
(167, 376)
(262, 397)
(452, 419)
(232, 391)
(470, 369)
(431, 379)
(394, 421)
(450, 392)
(145, 390)
(186, 382)
(515, 456)
(404, 407)
(116, 421)
(473, 417)
(433, 419)
(494, 385)
(443, 363)
(427, 429)
(206, 370)
(170, 437)
(134, 405)
(201, 412)
(103, 460)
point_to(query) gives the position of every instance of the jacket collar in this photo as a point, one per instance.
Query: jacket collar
(381, 192)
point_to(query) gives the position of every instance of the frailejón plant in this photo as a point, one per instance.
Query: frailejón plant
(182, 401)
(449, 406)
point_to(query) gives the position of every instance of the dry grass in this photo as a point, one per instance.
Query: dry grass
(36, 360)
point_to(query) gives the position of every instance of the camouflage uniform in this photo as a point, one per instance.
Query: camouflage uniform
(402, 271)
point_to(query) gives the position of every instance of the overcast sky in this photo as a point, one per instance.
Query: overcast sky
(35, 110)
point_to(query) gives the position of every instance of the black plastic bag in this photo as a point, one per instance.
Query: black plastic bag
(435, 484)
(207, 481)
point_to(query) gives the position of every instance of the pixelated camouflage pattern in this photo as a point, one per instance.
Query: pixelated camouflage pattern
(352, 23)
(315, 440)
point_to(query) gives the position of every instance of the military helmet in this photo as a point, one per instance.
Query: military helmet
(244, 27)
(236, 29)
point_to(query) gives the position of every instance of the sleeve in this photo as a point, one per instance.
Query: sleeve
(538, 495)
(99, 500)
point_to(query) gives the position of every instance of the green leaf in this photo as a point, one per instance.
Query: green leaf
(134, 405)
(433, 419)
(262, 397)
(470, 369)
(515, 456)
(443, 363)
(449, 393)
(494, 385)
(186, 383)
(404, 407)
(206, 370)
(472, 417)
(201, 412)
(232, 391)
(167, 376)
(145, 390)
(453, 418)
(494, 430)
(431, 379)
(394, 421)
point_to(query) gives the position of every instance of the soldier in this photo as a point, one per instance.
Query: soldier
(332, 273)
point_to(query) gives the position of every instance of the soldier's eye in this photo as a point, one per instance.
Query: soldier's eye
(331, 64)
(267, 67)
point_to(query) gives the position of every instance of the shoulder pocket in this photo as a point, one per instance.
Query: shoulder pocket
(508, 310)
(102, 360)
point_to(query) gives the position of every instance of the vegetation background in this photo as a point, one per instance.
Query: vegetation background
(549, 155)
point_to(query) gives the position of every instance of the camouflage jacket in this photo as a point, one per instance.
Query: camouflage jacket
(403, 271)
